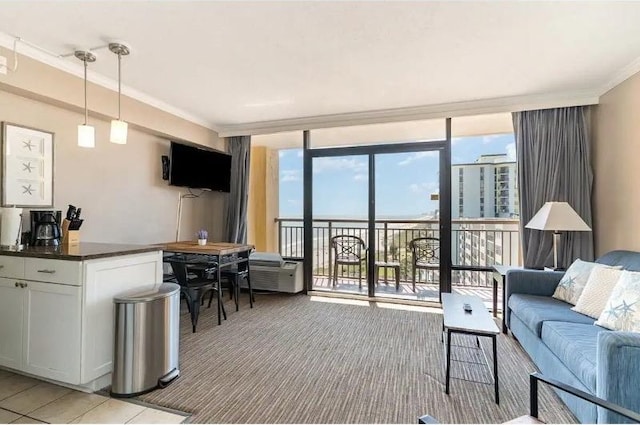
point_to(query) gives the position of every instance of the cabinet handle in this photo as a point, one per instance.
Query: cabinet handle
(1, 266)
(24, 285)
(17, 284)
(46, 271)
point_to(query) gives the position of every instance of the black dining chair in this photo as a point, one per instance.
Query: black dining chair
(233, 277)
(425, 255)
(348, 250)
(194, 288)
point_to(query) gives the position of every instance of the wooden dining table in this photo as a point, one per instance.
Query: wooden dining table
(222, 254)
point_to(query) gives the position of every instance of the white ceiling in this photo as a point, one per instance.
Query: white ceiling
(231, 64)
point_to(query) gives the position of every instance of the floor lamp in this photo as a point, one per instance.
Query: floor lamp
(557, 217)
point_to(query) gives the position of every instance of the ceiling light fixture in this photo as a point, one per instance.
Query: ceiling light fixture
(86, 133)
(119, 127)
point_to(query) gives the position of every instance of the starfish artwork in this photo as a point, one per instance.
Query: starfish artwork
(28, 145)
(27, 167)
(27, 189)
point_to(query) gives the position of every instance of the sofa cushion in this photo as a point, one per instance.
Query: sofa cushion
(628, 260)
(575, 344)
(622, 311)
(597, 291)
(533, 310)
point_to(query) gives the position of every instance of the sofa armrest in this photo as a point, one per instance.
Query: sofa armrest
(618, 368)
(531, 282)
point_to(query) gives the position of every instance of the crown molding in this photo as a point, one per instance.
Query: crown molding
(444, 110)
(626, 72)
(437, 111)
(76, 69)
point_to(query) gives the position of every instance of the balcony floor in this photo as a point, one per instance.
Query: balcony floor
(424, 291)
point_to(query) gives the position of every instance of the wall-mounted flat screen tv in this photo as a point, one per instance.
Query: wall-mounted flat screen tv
(199, 168)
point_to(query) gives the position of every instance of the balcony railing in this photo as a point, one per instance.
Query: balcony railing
(475, 243)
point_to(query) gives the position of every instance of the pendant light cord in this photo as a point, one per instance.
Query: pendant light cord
(119, 83)
(86, 110)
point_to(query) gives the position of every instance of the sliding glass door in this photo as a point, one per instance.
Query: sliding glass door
(407, 222)
(340, 223)
(377, 219)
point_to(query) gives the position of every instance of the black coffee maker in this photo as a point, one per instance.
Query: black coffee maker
(45, 228)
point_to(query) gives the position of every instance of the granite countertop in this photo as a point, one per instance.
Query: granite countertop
(80, 252)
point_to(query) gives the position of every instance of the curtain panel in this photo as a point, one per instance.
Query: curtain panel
(237, 204)
(554, 164)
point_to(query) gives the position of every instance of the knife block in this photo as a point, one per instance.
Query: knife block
(69, 237)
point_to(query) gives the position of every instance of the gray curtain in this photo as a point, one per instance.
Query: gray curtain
(553, 157)
(237, 205)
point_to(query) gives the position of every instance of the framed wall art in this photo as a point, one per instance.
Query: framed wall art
(27, 167)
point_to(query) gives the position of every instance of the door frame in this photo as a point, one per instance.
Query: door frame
(441, 146)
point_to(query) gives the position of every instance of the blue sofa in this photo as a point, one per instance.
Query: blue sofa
(567, 346)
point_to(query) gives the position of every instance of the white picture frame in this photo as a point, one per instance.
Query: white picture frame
(27, 167)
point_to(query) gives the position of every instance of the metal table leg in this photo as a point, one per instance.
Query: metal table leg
(219, 297)
(446, 391)
(495, 369)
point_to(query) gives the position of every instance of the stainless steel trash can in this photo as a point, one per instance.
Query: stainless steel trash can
(147, 331)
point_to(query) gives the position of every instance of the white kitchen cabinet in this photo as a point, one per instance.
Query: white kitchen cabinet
(57, 315)
(11, 325)
(52, 326)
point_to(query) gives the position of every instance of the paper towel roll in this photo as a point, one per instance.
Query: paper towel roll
(9, 225)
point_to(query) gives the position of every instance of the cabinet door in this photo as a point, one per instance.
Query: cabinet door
(52, 331)
(11, 323)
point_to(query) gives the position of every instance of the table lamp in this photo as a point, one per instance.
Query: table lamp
(557, 217)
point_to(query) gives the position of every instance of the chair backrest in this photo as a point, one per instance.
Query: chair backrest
(425, 250)
(180, 272)
(348, 247)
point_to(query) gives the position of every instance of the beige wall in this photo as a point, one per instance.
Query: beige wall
(119, 187)
(616, 163)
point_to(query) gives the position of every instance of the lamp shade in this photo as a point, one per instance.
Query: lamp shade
(86, 136)
(558, 216)
(118, 132)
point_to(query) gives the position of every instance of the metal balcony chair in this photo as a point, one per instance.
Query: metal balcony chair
(426, 255)
(348, 251)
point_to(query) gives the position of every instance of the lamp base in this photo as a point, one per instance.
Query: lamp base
(554, 269)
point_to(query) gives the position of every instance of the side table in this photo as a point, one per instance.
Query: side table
(499, 273)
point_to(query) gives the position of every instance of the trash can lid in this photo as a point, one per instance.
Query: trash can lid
(148, 293)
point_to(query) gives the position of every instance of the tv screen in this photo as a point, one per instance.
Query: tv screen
(199, 168)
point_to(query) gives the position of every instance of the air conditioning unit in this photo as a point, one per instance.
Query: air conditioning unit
(270, 272)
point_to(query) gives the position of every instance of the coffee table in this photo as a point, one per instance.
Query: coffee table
(478, 323)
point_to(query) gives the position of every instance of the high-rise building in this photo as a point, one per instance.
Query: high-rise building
(485, 188)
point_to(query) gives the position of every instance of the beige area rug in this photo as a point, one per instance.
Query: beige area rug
(292, 359)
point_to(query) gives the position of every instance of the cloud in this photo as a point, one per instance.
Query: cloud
(321, 165)
(511, 151)
(290, 175)
(300, 153)
(294, 202)
(418, 156)
(282, 153)
(361, 177)
(424, 188)
(456, 140)
(490, 139)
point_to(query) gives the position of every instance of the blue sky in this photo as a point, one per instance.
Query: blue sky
(403, 181)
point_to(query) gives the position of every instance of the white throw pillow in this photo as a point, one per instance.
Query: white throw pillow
(622, 312)
(597, 291)
(574, 280)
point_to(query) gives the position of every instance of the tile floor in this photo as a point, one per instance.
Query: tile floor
(30, 401)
